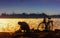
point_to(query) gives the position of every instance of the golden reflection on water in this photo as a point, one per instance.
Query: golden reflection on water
(11, 24)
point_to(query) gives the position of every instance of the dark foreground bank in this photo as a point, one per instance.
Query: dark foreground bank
(40, 34)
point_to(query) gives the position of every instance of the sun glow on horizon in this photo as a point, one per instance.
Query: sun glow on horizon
(11, 25)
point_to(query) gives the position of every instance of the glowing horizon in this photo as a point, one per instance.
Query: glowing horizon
(11, 25)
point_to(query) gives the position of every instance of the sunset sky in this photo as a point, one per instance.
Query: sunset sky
(50, 7)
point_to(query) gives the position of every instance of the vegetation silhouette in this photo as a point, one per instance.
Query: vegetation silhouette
(25, 15)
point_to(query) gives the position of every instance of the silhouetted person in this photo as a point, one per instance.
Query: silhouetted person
(24, 26)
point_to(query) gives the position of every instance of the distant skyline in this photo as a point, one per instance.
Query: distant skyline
(50, 7)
